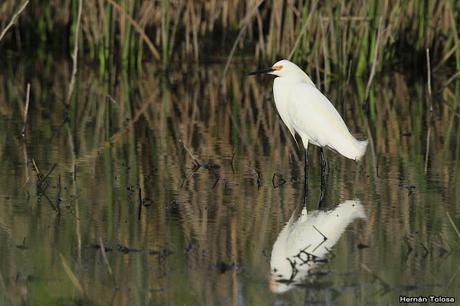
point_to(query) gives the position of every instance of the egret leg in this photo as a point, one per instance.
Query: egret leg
(305, 185)
(324, 171)
(324, 160)
(324, 164)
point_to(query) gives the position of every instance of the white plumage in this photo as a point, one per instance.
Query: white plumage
(307, 112)
(300, 246)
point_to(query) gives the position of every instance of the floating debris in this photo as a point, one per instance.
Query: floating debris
(127, 250)
(278, 180)
(363, 246)
(223, 267)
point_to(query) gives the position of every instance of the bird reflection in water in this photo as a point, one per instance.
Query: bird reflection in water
(305, 242)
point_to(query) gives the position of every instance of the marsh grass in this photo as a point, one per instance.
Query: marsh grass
(335, 38)
(134, 129)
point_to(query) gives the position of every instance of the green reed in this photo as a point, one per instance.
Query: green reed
(334, 37)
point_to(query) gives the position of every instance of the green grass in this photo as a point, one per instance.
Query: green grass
(333, 37)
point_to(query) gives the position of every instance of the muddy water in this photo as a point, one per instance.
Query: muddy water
(180, 189)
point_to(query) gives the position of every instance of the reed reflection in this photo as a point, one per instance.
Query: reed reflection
(306, 241)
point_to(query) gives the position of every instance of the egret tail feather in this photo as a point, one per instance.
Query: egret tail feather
(362, 145)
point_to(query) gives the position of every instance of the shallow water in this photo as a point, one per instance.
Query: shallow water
(188, 182)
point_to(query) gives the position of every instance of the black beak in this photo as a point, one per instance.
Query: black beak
(262, 71)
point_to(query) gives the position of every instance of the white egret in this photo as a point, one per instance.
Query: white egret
(306, 241)
(307, 112)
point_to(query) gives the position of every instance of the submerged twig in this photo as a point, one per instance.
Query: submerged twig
(43, 179)
(277, 180)
(13, 19)
(73, 278)
(140, 204)
(42, 186)
(77, 224)
(453, 224)
(26, 110)
(104, 256)
(36, 168)
(427, 152)
(430, 105)
(196, 161)
(51, 203)
(452, 278)
(385, 285)
(26, 166)
(58, 196)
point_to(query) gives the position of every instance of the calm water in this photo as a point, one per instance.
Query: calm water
(194, 189)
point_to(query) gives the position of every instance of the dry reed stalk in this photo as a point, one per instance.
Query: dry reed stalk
(451, 280)
(138, 28)
(242, 31)
(26, 166)
(117, 136)
(430, 108)
(303, 30)
(451, 79)
(13, 19)
(428, 65)
(73, 278)
(374, 61)
(75, 54)
(26, 110)
(427, 152)
(104, 256)
(453, 224)
(278, 29)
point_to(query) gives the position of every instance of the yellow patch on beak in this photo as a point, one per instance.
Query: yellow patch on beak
(277, 67)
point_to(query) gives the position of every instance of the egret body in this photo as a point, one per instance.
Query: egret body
(306, 241)
(307, 112)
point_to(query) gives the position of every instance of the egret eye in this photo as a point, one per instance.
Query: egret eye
(277, 67)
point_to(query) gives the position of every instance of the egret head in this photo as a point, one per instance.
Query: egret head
(284, 69)
(282, 276)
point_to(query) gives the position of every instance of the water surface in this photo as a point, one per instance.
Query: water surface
(187, 182)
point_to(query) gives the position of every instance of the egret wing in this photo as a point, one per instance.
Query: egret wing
(313, 115)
